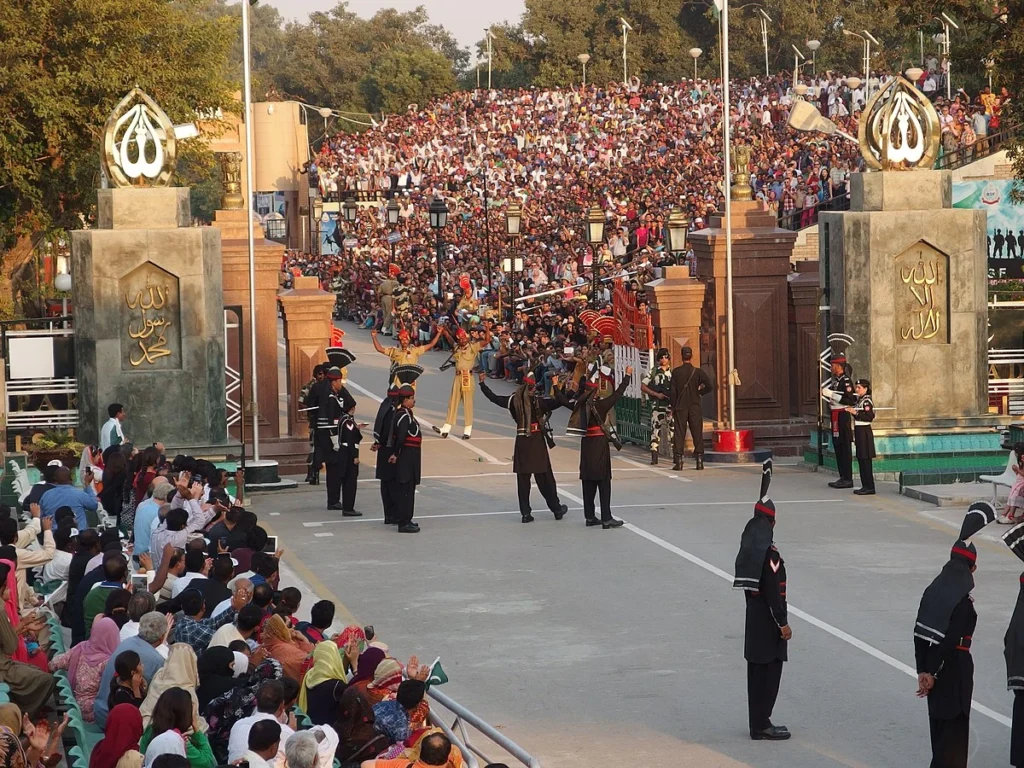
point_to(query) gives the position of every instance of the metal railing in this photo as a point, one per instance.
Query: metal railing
(1006, 394)
(977, 150)
(802, 218)
(359, 195)
(464, 717)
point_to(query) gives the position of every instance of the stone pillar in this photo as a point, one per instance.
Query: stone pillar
(760, 257)
(804, 345)
(232, 225)
(149, 320)
(676, 302)
(307, 332)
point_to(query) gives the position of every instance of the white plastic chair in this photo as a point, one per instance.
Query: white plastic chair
(1008, 478)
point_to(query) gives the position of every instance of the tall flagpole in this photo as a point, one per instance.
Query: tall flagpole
(250, 177)
(727, 178)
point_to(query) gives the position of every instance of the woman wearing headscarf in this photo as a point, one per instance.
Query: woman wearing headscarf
(42, 742)
(357, 737)
(224, 711)
(30, 687)
(179, 671)
(286, 645)
(177, 730)
(22, 626)
(216, 675)
(324, 685)
(351, 640)
(119, 748)
(85, 662)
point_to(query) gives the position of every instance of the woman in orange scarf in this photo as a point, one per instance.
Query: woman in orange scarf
(286, 645)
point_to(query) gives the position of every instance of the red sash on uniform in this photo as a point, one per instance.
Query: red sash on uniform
(413, 441)
(594, 432)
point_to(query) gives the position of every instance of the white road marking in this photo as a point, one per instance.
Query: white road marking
(321, 535)
(498, 474)
(814, 621)
(464, 443)
(578, 500)
(655, 470)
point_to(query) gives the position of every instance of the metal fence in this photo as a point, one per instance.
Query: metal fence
(459, 734)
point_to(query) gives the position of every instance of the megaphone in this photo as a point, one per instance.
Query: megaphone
(805, 117)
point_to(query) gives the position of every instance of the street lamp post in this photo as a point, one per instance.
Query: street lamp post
(695, 53)
(514, 230)
(393, 211)
(765, 19)
(595, 236)
(797, 58)
(677, 227)
(626, 28)
(349, 212)
(62, 282)
(989, 66)
(438, 213)
(583, 59)
(947, 23)
(727, 184)
(813, 46)
(512, 267)
(490, 37)
(867, 38)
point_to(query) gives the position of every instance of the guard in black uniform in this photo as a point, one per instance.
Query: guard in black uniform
(530, 412)
(333, 401)
(1013, 651)
(405, 455)
(863, 437)
(383, 434)
(595, 456)
(942, 645)
(687, 386)
(349, 438)
(761, 573)
(839, 394)
(309, 405)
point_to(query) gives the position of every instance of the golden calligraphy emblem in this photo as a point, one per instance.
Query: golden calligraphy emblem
(139, 143)
(151, 332)
(899, 129)
(920, 280)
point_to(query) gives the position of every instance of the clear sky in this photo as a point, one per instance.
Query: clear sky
(466, 19)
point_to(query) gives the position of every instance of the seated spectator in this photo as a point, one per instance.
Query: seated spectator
(195, 568)
(321, 616)
(323, 685)
(28, 627)
(287, 606)
(174, 715)
(147, 514)
(223, 712)
(435, 750)
(270, 705)
(228, 534)
(27, 558)
(191, 627)
(216, 675)
(85, 663)
(302, 751)
(45, 483)
(255, 541)
(244, 628)
(116, 607)
(175, 530)
(115, 574)
(30, 687)
(153, 629)
(286, 645)
(128, 686)
(215, 585)
(180, 671)
(140, 604)
(264, 742)
(58, 568)
(392, 717)
(119, 747)
(64, 494)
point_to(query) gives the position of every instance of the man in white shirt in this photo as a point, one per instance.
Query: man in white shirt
(270, 705)
(111, 433)
(264, 742)
(196, 567)
(58, 568)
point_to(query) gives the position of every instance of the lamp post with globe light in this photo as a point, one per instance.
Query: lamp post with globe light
(583, 59)
(595, 236)
(62, 282)
(813, 46)
(513, 265)
(695, 54)
(393, 210)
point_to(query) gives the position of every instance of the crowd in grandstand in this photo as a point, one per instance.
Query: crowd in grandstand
(158, 622)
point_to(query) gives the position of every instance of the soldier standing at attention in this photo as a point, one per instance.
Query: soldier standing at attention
(465, 355)
(309, 404)
(386, 294)
(406, 458)
(839, 394)
(688, 385)
(656, 387)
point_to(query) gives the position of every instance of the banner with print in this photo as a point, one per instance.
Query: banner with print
(1005, 241)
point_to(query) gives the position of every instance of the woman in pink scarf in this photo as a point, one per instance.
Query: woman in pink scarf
(10, 598)
(86, 661)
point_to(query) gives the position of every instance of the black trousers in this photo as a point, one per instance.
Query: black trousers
(590, 490)
(403, 496)
(762, 691)
(689, 417)
(867, 478)
(348, 487)
(546, 486)
(949, 741)
(333, 483)
(387, 501)
(1017, 731)
(843, 446)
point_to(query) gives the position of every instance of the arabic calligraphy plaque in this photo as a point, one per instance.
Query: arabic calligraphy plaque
(922, 295)
(150, 319)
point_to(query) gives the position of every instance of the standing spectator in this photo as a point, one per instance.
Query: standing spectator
(64, 494)
(111, 432)
(147, 514)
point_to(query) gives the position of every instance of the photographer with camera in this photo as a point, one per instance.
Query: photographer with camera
(530, 410)
(657, 387)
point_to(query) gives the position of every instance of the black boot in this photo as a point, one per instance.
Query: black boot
(677, 463)
(309, 476)
(700, 462)
(654, 458)
(316, 479)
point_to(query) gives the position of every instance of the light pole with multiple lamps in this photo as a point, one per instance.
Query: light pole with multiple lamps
(438, 213)
(595, 236)
(695, 54)
(947, 24)
(583, 59)
(393, 210)
(765, 20)
(867, 38)
(626, 28)
(798, 56)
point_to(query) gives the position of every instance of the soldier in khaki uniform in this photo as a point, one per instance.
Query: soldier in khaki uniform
(465, 357)
(386, 294)
(405, 353)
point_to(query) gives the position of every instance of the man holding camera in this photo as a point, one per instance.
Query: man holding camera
(657, 387)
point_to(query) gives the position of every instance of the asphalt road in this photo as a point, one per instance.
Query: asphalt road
(624, 647)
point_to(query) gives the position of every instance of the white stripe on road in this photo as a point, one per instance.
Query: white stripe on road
(823, 625)
(497, 474)
(655, 470)
(578, 500)
(464, 443)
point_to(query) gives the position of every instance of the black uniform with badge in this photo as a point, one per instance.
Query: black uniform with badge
(308, 399)
(383, 430)
(687, 385)
(1013, 652)
(761, 573)
(406, 452)
(349, 438)
(333, 401)
(595, 455)
(839, 394)
(942, 645)
(530, 456)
